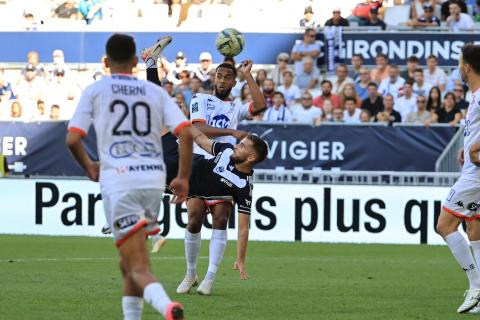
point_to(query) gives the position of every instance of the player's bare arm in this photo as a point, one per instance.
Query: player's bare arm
(180, 184)
(258, 99)
(74, 143)
(212, 132)
(242, 242)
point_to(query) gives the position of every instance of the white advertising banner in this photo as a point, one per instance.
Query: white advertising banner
(280, 212)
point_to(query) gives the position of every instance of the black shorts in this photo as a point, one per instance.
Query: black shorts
(170, 155)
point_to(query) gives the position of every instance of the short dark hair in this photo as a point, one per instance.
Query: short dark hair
(357, 55)
(308, 30)
(55, 106)
(418, 70)
(279, 93)
(350, 99)
(260, 146)
(372, 84)
(326, 81)
(432, 56)
(393, 66)
(229, 66)
(409, 82)
(382, 55)
(413, 59)
(471, 56)
(121, 48)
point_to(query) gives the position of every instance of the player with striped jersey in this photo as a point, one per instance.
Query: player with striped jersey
(463, 201)
(129, 116)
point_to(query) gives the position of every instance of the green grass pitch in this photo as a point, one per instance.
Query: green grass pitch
(78, 278)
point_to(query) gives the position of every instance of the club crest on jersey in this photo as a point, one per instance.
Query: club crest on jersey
(220, 169)
(219, 121)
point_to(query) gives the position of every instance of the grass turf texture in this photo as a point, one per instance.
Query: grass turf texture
(78, 278)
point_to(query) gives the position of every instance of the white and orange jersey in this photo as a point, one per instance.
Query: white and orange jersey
(217, 113)
(129, 116)
(471, 136)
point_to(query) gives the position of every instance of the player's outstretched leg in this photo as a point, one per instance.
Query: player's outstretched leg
(151, 55)
(218, 243)
(136, 268)
(193, 242)
(447, 227)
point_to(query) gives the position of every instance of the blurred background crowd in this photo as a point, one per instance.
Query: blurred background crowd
(295, 88)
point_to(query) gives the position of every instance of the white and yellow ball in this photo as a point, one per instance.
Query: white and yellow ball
(230, 42)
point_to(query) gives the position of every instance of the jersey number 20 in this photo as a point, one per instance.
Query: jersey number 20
(125, 110)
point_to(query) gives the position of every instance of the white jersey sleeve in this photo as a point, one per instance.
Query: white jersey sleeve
(82, 118)
(198, 108)
(471, 136)
(245, 111)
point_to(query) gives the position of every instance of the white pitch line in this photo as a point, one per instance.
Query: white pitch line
(86, 259)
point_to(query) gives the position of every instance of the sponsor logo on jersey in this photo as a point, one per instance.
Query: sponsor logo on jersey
(228, 183)
(230, 167)
(472, 206)
(219, 121)
(248, 202)
(195, 107)
(125, 149)
(219, 169)
(126, 222)
(139, 168)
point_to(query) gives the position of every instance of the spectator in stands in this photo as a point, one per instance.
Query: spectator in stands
(67, 10)
(58, 58)
(31, 86)
(261, 77)
(422, 115)
(448, 113)
(290, 91)
(357, 65)
(389, 111)
(374, 102)
(205, 66)
(337, 115)
(362, 86)
(393, 84)
(16, 111)
(382, 117)
(458, 20)
(445, 9)
(91, 10)
(268, 90)
(374, 20)
(245, 96)
(412, 65)
(196, 86)
(177, 66)
(278, 112)
(327, 94)
(40, 114)
(349, 92)
(6, 92)
(306, 112)
(460, 102)
(308, 21)
(61, 89)
(427, 19)
(434, 100)
(416, 8)
(55, 112)
(408, 102)
(381, 71)
(351, 114)
(420, 87)
(328, 110)
(308, 78)
(434, 75)
(282, 65)
(33, 58)
(185, 87)
(452, 79)
(337, 20)
(168, 86)
(236, 90)
(208, 85)
(361, 12)
(365, 116)
(307, 48)
(341, 78)
(180, 99)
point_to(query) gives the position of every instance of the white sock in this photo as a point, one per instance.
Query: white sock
(156, 296)
(476, 251)
(156, 236)
(218, 243)
(132, 308)
(461, 251)
(193, 242)
(151, 63)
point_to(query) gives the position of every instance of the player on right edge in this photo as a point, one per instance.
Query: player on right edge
(463, 201)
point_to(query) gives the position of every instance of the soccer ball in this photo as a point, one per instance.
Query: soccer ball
(230, 42)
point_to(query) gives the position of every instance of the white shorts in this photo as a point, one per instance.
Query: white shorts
(463, 199)
(128, 211)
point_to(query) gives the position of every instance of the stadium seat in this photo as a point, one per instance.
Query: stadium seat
(397, 15)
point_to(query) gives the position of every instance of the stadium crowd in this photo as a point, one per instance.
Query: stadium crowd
(295, 89)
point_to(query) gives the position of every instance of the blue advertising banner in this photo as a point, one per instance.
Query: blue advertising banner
(262, 48)
(39, 148)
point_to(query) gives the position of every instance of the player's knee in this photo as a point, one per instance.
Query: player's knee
(139, 271)
(123, 268)
(220, 221)
(194, 226)
(445, 227)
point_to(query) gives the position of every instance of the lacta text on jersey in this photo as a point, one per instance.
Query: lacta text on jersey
(128, 90)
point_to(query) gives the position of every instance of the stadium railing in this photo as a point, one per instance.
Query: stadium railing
(447, 162)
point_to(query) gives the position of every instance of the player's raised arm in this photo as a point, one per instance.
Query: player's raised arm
(201, 139)
(259, 103)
